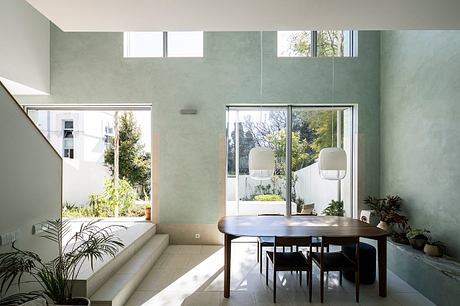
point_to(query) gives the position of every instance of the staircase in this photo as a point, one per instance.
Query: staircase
(114, 280)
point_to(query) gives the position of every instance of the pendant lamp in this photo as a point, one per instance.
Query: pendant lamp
(332, 163)
(261, 163)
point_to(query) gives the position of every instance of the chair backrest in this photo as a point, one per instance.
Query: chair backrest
(288, 241)
(326, 240)
(261, 215)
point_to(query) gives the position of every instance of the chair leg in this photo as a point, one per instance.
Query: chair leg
(340, 278)
(357, 286)
(300, 278)
(260, 258)
(310, 284)
(258, 251)
(266, 270)
(321, 283)
(274, 285)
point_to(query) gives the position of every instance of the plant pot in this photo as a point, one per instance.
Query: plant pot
(148, 213)
(432, 250)
(384, 226)
(418, 243)
(76, 301)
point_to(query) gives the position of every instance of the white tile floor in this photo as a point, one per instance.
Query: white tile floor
(193, 275)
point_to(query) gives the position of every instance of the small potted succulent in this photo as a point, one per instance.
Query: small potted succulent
(417, 237)
(434, 248)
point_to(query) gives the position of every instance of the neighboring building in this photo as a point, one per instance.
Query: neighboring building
(81, 137)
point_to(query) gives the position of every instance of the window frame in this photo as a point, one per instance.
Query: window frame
(165, 42)
(352, 46)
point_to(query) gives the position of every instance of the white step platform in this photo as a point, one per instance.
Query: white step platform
(123, 282)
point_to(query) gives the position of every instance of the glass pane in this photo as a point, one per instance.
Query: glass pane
(143, 44)
(249, 129)
(68, 124)
(294, 43)
(88, 166)
(185, 44)
(68, 143)
(313, 130)
(68, 134)
(331, 43)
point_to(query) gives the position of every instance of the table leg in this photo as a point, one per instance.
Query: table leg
(227, 259)
(382, 259)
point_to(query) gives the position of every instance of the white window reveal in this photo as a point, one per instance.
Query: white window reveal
(163, 44)
(68, 139)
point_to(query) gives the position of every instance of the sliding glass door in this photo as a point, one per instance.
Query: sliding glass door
(295, 135)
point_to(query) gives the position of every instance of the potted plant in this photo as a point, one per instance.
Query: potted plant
(417, 237)
(386, 209)
(56, 277)
(148, 207)
(434, 248)
(399, 229)
(335, 208)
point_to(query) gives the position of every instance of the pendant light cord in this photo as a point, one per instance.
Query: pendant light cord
(261, 64)
(333, 100)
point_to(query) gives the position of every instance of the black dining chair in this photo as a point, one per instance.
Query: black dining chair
(290, 261)
(337, 261)
(264, 242)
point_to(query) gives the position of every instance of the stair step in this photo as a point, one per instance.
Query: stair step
(134, 238)
(117, 290)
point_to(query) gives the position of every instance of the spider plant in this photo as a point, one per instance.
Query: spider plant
(90, 243)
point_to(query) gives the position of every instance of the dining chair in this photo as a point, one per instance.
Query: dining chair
(337, 261)
(263, 242)
(290, 261)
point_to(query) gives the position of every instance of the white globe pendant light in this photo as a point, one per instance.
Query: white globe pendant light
(261, 163)
(332, 163)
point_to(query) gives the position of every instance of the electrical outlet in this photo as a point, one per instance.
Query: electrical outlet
(197, 236)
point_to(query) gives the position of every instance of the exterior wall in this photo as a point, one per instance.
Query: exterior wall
(82, 178)
(313, 189)
(24, 45)
(188, 168)
(420, 130)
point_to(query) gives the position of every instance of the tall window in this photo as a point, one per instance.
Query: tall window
(317, 43)
(312, 129)
(68, 139)
(163, 44)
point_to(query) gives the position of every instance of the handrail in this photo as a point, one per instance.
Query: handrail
(31, 121)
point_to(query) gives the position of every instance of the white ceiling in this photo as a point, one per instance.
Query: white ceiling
(249, 15)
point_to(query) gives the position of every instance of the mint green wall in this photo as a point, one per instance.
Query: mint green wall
(420, 128)
(89, 68)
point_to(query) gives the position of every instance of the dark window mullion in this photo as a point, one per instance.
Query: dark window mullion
(165, 44)
(313, 45)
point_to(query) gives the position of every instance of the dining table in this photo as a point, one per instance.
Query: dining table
(301, 226)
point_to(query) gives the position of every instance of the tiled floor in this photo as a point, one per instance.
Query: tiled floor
(193, 275)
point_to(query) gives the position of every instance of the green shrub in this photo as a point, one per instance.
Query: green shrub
(126, 196)
(268, 197)
(335, 208)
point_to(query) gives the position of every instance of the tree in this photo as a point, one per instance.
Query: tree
(134, 162)
(328, 43)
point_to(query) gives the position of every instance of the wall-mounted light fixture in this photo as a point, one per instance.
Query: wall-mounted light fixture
(188, 111)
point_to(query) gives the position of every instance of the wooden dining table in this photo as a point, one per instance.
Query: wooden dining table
(301, 226)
